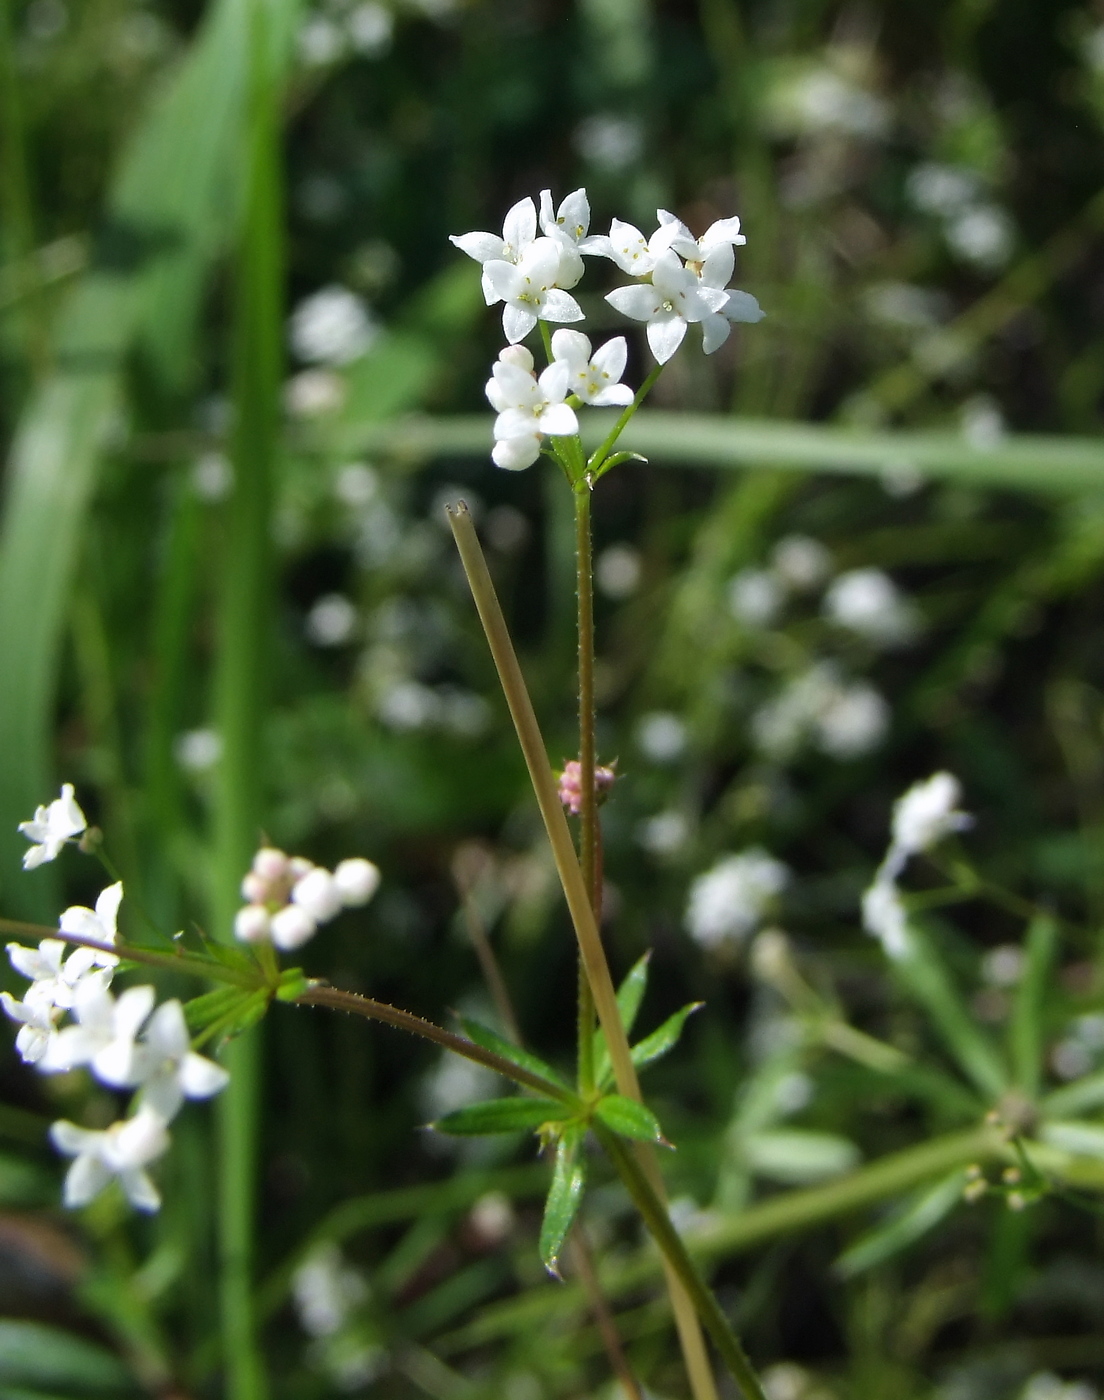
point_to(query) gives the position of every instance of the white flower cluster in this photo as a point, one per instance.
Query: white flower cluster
(531, 268)
(844, 719)
(289, 897)
(51, 827)
(730, 900)
(125, 1041)
(926, 814)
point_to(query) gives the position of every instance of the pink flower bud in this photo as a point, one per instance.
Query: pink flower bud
(270, 864)
(571, 789)
(318, 894)
(357, 881)
(292, 927)
(252, 924)
(255, 888)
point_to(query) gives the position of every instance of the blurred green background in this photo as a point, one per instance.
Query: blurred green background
(920, 186)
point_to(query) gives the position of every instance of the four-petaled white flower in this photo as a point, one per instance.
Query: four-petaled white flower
(629, 249)
(37, 1018)
(712, 260)
(596, 379)
(528, 287)
(518, 230)
(99, 924)
(169, 1069)
(104, 1036)
(672, 300)
(123, 1150)
(51, 827)
(54, 976)
(527, 407)
(569, 226)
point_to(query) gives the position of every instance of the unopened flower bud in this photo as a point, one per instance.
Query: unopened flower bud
(318, 894)
(270, 864)
(252, 924)
(292, 926)
(770, 955)
(517, 355)
(571, 788)
(298, 866)
(357, 881)
(255, 888)
(1016, 1200)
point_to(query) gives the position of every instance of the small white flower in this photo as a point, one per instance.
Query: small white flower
(594, 378)
(527, 407)
(37, 1018)
(51, 827)
(170, 1071)
(332, 327)
(927, 813)
(54, 976)
(672, 300)
(357, 881)
(291, 927)
(104, 1036)
(661, 736)
(99, 924)
(868, 603)
(253, 924)
(712, 260)
(884, 916)
(629, 249)
(123, 1150)
(568, 226)
(326, 1291)
(528, 287)
(317, 894)
(853, 721)
(755, 597)
(518, 231)
(801, 563)
(729, 900)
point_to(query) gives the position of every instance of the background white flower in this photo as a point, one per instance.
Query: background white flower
(729, 900)
(51, 827)
(332, 327)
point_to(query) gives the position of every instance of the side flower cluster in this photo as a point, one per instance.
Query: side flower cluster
(530, 269)
(125, 1041)
(288, 897)
(926, 814)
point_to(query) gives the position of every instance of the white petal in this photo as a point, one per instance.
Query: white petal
(715, 331)
(480, 246)
(615, 396)
(167, 1033)
(292, 927)
(515, 454)
(65, 816)
(490, 296)
(520, 225)
(107, 909)
(670, 278)
(718, 266)
(503, 279)
(665, 335)
(742, 306)
(554, 381)
(140, 1191)
(518, 386)
(540, 262)
(723, 231)
(36, 856)
(71, 1047)
(83, 922)
(70, 1139)
(132, 1008)
(116, 1065)
(547, 212)
(78, 965)
(514, 423)
(559, 306)
(30, 962)
(139, 1140)
(84, 1180)
(574, 214)
(318, 895)
(641, 302)
(517, 323)
(357, 880)
(628, 247)
(569, 270)
(598, 246)
(200, 1077)
(32, 1043)
(611, 358)
(163, 1096)
(709, 299)
(573, 348)
(558, 420)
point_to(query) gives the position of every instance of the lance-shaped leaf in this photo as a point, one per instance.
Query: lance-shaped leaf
(490, 1040)
(564, 1196)
(1027, 1031)
(506, 1115)
(798, 1156)
(207, 1010)
(629, 996)
(665, 1038)
(921, 1213)
(629, 1118)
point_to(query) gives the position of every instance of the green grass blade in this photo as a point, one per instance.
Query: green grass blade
(1026, 1031)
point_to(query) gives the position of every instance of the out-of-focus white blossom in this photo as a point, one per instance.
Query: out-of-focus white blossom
(801, 563)
(927, 813)
(661, 736)
(1045, 1385)
(664, 834)
(845, 719)
(100, 924)
(868, 603)
(124, 1150)
(609, 141)
(288, 897)
(853, 720)
(755, 597)
(884, 916)
(167, 1067)
(326, 1291)
(729, 901)
(370, 27)
(983, 424)
(1003, 966)
(944, 190)
(197, 750)
(314, 392)
(332, 327)
(983, 235)
(212, 477)
(617, 571)
(331, 621)
(357, 880)
(51, 827)
(37, 1018)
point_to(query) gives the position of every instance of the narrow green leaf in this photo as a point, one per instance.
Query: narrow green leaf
(204, 1011)
(665, 1038)
(924, 976)
(564, 1196)
(252, 1010)
(1079, 1139)
(490, 1040)
(628, 1118)
(1079, 1097)
(799, 1156)
(629, 996)
(921, 1213)
(35, 1354)
(1026, 1029)
(229, 956)
(507, 1115)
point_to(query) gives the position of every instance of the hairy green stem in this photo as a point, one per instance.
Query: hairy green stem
(658, 1220)
(594, 465)
(588, 812)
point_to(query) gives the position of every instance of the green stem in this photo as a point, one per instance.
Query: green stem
(588, 814)
(666, 1236)
(240, 679)
(594, 466)
(207, 968)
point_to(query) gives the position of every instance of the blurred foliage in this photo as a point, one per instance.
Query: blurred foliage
(920, 188)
